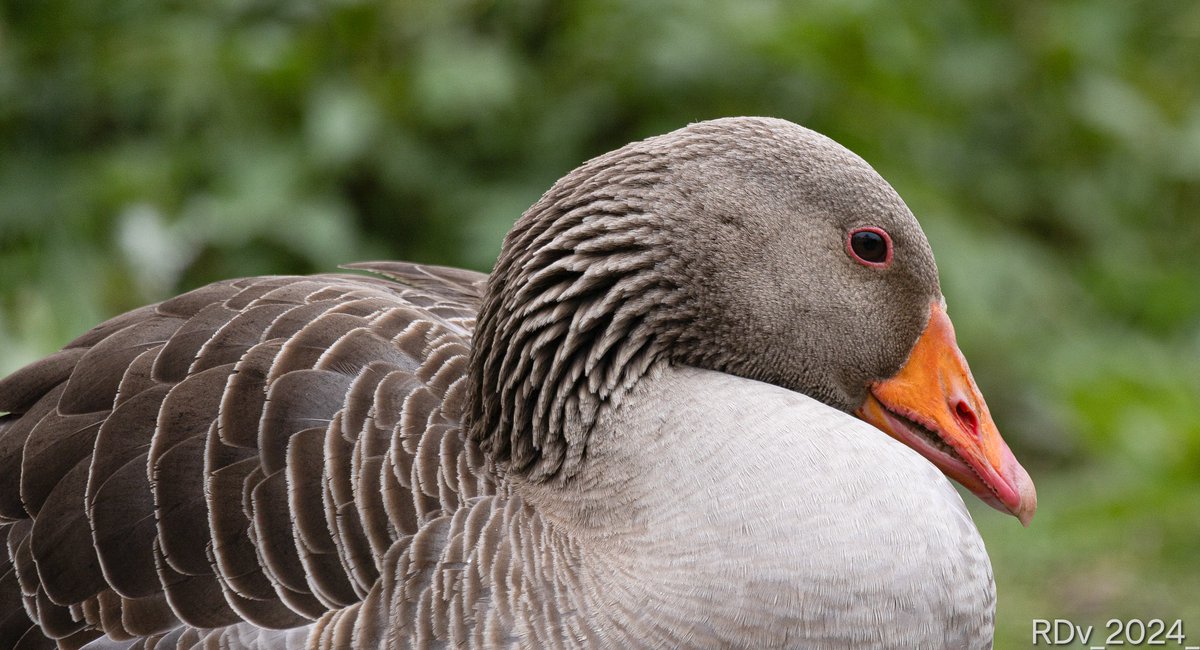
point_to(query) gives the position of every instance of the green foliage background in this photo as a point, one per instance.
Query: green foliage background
(1051, 151)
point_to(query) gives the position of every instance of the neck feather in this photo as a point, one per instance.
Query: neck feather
(584, 299)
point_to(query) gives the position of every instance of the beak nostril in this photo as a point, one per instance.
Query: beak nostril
(966, 417)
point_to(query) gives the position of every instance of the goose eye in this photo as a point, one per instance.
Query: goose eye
(870, 246)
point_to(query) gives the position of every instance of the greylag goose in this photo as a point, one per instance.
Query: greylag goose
(639, 431)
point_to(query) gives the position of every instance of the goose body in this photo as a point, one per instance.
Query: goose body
(639, 431)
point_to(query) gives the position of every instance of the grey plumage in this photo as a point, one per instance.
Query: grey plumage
(641, 443)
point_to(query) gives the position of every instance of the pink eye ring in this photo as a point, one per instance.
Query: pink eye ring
(870, 246)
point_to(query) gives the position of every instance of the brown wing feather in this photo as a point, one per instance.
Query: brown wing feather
(252, 454)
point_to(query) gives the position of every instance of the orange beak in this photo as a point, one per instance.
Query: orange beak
(934, 406)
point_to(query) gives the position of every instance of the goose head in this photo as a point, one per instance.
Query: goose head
(749, 246)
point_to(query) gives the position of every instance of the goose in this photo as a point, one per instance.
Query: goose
(709, 397)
